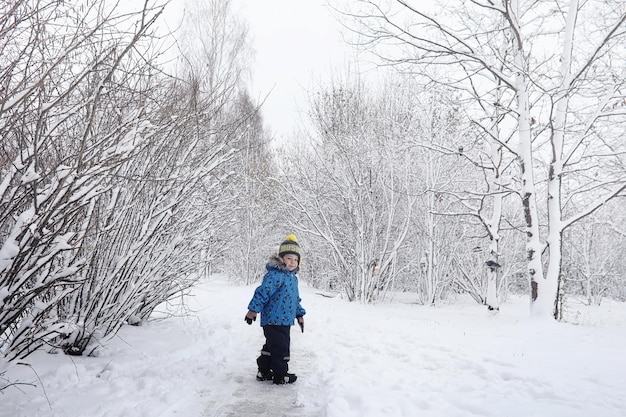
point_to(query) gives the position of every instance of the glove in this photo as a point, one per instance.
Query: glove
(301, 323)
(250, 317)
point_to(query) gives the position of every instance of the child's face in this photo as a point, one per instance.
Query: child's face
(291, 261)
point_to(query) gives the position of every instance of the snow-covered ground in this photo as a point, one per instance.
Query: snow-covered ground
(393, 359)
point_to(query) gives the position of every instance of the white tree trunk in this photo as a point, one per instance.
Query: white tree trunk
(540, 298)
(555, 170)
(493, 223)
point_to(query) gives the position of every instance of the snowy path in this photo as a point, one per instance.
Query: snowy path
(238, 393)
(353, 360)
(406, 360)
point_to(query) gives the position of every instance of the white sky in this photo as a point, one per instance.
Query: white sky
(296, 42)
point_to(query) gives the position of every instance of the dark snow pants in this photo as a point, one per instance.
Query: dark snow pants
(275, 351)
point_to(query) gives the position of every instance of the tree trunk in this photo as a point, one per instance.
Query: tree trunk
(540, 303)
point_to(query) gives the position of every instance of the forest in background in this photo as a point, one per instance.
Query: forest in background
(488, 158)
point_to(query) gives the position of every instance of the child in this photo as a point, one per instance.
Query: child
(278, 301)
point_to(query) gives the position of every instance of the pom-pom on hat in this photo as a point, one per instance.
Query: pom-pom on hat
(290, 245)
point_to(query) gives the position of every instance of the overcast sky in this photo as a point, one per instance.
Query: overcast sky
(296, 42)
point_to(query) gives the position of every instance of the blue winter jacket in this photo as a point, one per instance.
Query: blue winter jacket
(277, 298)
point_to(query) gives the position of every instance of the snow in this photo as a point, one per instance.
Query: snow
(389, 359)
(9, 250)
(30, 175)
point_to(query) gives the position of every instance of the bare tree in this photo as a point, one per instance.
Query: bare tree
(593, 264)
(459, 205)
(351, 187)
(106, 172)
(253, 200)
(214, 60)
(59, 146)
(440, 170)
(170, 208)
(561, 88)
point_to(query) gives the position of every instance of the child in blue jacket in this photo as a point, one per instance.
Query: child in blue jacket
(278, 301)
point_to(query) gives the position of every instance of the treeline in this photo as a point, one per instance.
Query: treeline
(498, 154)
(394, 190)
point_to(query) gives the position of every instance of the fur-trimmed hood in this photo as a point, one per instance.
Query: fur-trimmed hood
(276, 263)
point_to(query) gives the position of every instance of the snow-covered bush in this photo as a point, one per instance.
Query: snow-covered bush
(108, 170)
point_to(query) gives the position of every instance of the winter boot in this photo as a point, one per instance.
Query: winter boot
(264, 376)
(286, 379)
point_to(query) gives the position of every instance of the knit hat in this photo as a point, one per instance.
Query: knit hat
(290, 245)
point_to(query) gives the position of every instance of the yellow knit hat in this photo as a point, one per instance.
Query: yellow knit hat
(290, 245)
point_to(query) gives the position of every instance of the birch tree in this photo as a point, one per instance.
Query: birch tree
(562, 82)
(440, 169)
(448, 149)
